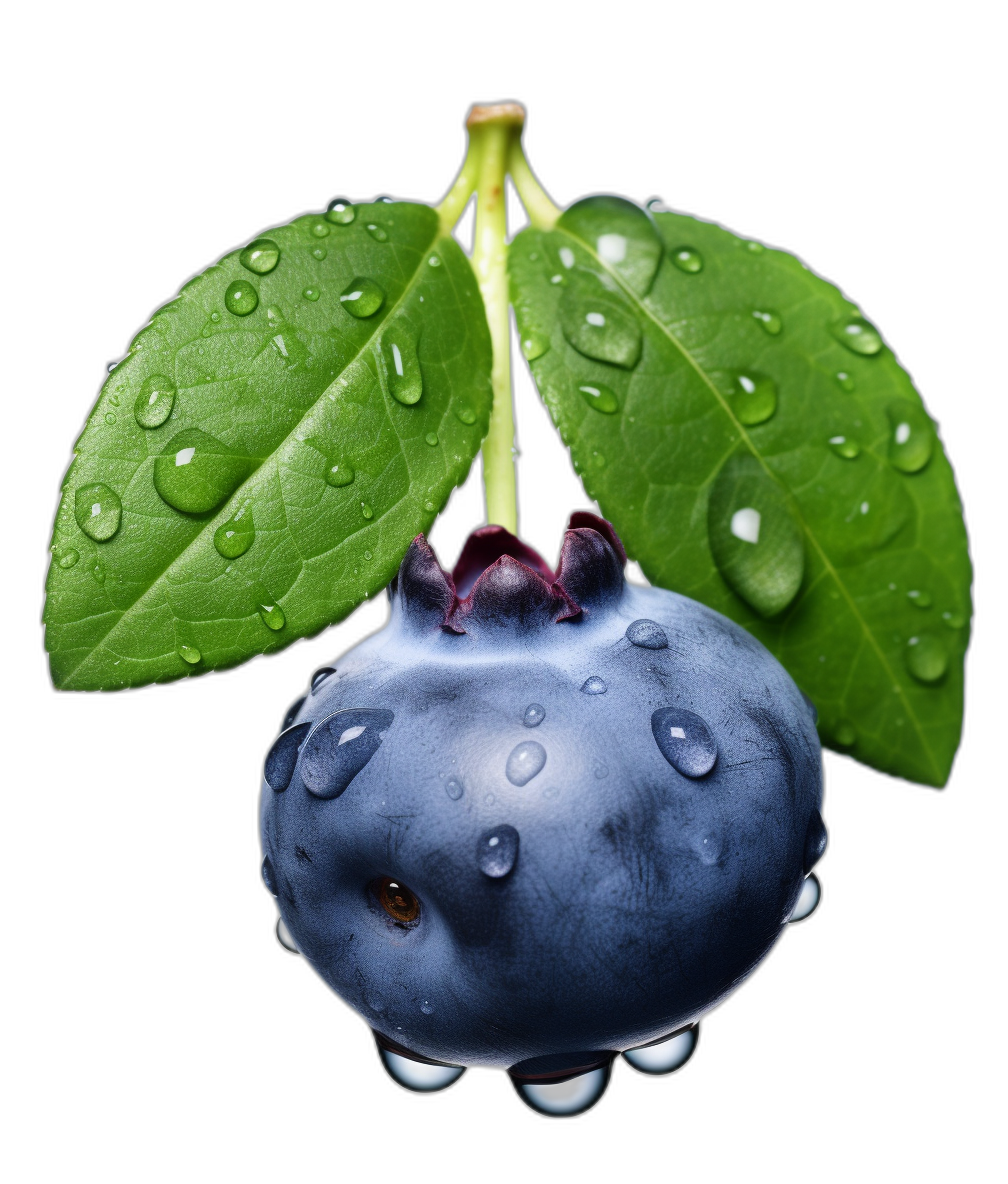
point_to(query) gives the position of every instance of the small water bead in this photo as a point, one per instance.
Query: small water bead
(98, 511)
(241, 298)
(753, 397)
(434, 261)
(341, 211)
(362, 297)
(534, 715)
(98, 571)
(319, 253)
(188, 653)
(339, 474)
(594, 686)
(912, 441)
(426, 1008)
(649, 635)
(808, 899)
(534, 345)
(260, 256)
(665, 1055)
(465, 414)
(857, 335)
(688, 260)
(197, 472)
(319, 229)
(402, 366)
(600, 398)
(919, 598)
(366, 510)
(926, 658)
(235, 537)
(311, 294)
(429, 506)
(454, 788)
(272, 616)
(525, 761)
(378, 233)
(844, 447)
(155, 401)
(283, 936)
(755, 247)
(954, 620)
(68, 558)
(432, 439)
(684, 740)
(844, 734)
(421, 1077)
(845, 381)
(110, 418)
(497, 851)
(769, 321)
(564, 1099)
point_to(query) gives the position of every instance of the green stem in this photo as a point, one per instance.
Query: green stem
(541, 211)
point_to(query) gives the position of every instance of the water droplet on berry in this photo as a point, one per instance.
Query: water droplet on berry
(236, 536)
(562, 1099)
(283, 936)
(649, 635)
(599, 398)
(454, 788)
(362, 297)
(340, 747)
(260, 256)
(496, 851)
(282, 757)
(98, 511)
(665, 1055)
(155, 401)
(241, 298)
(319, 677)
(808, 900)
(341, 211)
(594, 686)
(419, 1076)
(534, 715)
(858, 335)
(926, 658)
(684, 740)
(688, 260)
(524, 762)
(769, 321)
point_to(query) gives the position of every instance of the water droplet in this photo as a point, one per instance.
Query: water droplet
(429, 506)
(283, 936)
(926, 658)
(622, 235)
(845, 381)
(98, 511)
(269, 879)
(366, 510)
(400, 362)
(272, 616)
(534, 715)
(362, 297)
(434, 261)
(842, 446)
(241, 298)
(454, 788)
(319, 229)
(466, 414)
(688, 260)
(754, 539)
(235, 537)
(340, 747)
(665, 1055)
(755, 247)
(155, 401)
(98, 571)
(311, 294)
(319, 253)
(339, 474)
(319, 677)
(919, 598)
(534, 345)
(378, 233)
(426, 1008)
(816, 839)
(912, 440)
(282, 757)
(769, 321)
(844, 734)
(599, 325)
(110, 418)
(341, 211)
(753, 397)
(422, 1077)
(564, 1099)
(68, 558)
(432, 439)
(858, 335)
(808, 899)
(497, 850)
(197, 473)
(524, 762)
(188, 653)
(684, 740)
(594, 686)
(649, 635)
(566, 257)
(954, 620)
(600, 398)
(260, 256)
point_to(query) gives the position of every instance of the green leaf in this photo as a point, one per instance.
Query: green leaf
(259, 462)
(758, 447)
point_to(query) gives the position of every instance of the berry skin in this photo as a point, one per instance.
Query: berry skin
(539, 819)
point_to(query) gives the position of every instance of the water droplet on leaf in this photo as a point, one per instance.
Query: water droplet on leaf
(378, 233)
(753, 397)
(68, 558)
(847, 448)
(311, 294)
(845, 381)
(926, 658)
(401, 364)
(98, 571)
(260, 256)
(272, 616)
(858, 335)
(844, 734)
(235, 537)
(362, 297)
(319, 229)
(155, 401)
(912, 441)
(600, 398)
(432, 439)
(466, 414)
(319, 253)
(919, 598)
(241, 298)
(340, 474)
(341, 211)
(98, 511)
(688, 260)
(621, 234)
(366, 510)
(600, 326)
(534, 345)
(197, 472)
(954, 620)
(769, 321)
(188, 653)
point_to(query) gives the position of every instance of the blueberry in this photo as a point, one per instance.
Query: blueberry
(485, 898)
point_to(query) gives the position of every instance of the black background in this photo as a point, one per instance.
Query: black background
(174, 973)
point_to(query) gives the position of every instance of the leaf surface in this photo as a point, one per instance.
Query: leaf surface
(258, 463)
(759, 448)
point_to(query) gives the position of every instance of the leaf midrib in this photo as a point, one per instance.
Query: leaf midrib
(365, 346)
(638, 304)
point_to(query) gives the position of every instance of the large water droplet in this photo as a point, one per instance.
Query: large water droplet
(155, 401)
(340, 747)
(600, 325)
(283, 936)
(269, 879)
(534, 345)
(362, 297)
(754, 539)
(594, 686)
(534, 715)
(454, 788)
(524, 762)
(858, 335)
(816, 839)
(98, 511)
(497, 850)
(241, 298)
(282, 757)
(260, 256)
(339, 473)
(235, 537)
(688, 260)
(665, 1055)
(621, 234)
(753, 397)
(402, 366)
(420, 1076)
(769, 321)
(272, 615)
(599, 398)
(847, 448)
(808, 899)
(377, 232)
(341, 211)
(564, 1099)
(912, 440)
(684, 740)
(188, 653)
(649, 635)
(197, 472)
(926, 658)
